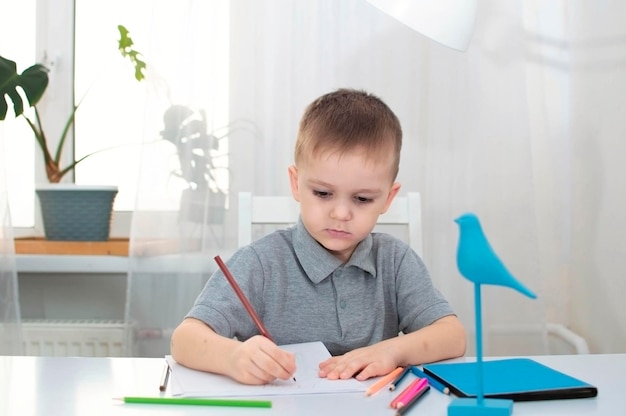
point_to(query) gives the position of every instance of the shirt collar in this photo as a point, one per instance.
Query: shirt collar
(318, 263)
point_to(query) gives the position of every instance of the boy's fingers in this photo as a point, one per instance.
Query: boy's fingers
(276, 362)
(286, 360)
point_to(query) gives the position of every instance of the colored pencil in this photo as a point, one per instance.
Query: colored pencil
(246, 303)
(165, 377)
(402, 408)
(197, 401)
(431, 380)
(243, 299)
(399, 379)
(415, 386)
(376, 387)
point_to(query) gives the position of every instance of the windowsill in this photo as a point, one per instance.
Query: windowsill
(38, 255)
(38, 245)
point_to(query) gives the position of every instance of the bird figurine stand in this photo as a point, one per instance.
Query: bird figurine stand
(478, 263)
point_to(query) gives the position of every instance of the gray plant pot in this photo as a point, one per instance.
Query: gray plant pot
(76, 212)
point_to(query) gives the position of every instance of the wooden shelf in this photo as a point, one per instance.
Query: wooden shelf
(113, 247)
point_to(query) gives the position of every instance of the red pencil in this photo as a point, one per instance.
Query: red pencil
(243, 299)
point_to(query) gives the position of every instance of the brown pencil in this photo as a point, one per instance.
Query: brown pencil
(243, 299)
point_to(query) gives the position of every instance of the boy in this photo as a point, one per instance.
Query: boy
(328, 278)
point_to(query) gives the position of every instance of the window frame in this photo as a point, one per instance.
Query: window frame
(54, 48)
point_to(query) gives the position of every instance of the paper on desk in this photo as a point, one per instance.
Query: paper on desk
(187, 382)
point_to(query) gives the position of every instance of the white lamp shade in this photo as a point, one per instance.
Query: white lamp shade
(449, 22)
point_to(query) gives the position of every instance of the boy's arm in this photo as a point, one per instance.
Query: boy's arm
(256, 361)
(443, 339)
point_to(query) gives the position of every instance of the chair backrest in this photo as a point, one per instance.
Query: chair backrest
(284, 210)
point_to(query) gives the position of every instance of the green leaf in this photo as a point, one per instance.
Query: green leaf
(125, 45)
(33, 82)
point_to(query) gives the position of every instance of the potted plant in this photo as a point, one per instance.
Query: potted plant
(62, 225)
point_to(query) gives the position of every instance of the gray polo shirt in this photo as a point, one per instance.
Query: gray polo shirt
(303, 293)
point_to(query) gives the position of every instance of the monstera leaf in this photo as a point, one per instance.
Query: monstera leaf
(33, 82)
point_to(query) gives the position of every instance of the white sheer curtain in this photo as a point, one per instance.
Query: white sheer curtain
(465, 118)
(492, 130)
(185, 146)
(11, 342)
(10, 323)
(477, 156)
(596, 197)
(507, 130)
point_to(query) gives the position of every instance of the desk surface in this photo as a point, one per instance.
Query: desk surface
(85, 386)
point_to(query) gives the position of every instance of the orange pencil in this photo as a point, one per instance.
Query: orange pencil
(399, 379)
(375, 388)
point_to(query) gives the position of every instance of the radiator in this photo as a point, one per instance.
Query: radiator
(73, 338)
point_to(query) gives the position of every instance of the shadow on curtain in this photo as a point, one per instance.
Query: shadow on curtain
(171, 251)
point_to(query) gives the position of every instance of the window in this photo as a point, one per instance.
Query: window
(185, 45)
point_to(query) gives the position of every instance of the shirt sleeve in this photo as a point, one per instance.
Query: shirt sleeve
(419, 302)
(218, 306)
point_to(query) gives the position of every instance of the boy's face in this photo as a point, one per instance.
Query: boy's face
(341, 197)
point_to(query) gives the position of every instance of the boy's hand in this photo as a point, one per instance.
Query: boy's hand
(372, 361)
(259, 361)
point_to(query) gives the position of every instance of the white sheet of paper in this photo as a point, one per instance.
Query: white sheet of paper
(187, 382)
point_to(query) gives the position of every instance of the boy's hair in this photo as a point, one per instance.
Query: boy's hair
(346, 119)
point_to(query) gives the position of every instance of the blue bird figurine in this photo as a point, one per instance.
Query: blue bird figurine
(477, 261)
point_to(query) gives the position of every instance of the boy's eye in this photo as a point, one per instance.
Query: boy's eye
(321, 194)
(363, 200)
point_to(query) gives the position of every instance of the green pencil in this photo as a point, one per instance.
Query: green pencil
(198, 401)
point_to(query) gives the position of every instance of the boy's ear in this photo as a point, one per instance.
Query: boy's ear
(293, 181)
(395, 188)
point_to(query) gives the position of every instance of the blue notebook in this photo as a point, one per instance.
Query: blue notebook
(519, 379)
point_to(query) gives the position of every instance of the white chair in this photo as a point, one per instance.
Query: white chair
(284, 211)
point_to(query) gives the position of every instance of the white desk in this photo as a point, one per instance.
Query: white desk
(85, 386)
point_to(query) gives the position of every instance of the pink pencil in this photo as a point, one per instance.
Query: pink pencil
(415, 386)
(405, 407)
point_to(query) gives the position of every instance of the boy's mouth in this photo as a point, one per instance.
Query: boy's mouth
(337, 233)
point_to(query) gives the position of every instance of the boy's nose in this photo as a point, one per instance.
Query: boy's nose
(341, 211)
